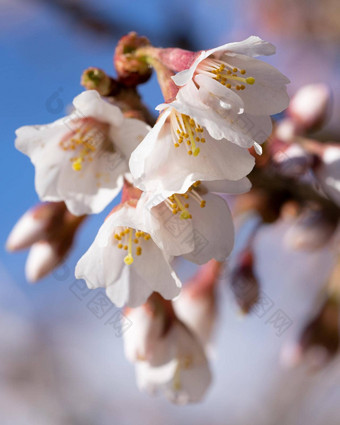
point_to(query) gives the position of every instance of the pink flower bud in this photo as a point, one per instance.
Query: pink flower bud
(292, 160)
(327, 171)
(177, 59)
(310, 107)
(42, 259)
(319, 340)
(49, 229)
(286, 130)
(312, 230)
(35, 225)
(131, 69)
(243, 282)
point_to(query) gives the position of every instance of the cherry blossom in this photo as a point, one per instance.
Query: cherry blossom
(81, 159)
(125, 260)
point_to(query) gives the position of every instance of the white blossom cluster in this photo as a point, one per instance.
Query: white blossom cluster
(197, 149)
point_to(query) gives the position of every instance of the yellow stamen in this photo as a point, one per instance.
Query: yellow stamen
(129, 259)
(185, 213)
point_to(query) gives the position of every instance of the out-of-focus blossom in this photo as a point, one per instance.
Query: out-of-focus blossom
(327, 172)
(292, 160)
(168, 357)
(196, 306)
(243, 282)
(232, 67)
(312, 230)
(169, 160)
(81, 159)
(319, 340)
(310, 107)
(49, 230)
(125, 260)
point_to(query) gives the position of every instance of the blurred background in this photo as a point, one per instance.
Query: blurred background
(60, 361)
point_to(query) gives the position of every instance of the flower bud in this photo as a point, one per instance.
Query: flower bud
(35, 225)
(327, 171)
(312, 230)
(319, 339)
(96, 79)
(243, 282)
(310, 107)
(292, 160)
(49, 229)
(42, 259)
(286, 130)
(131, 69)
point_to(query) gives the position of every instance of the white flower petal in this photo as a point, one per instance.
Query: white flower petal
(128, 136)
(222, 123)
(91, 189)
(103, 265)
(228, 186)
(129, 289)
(268, 95)
(213, 230)
(171, 233)
(90, 104)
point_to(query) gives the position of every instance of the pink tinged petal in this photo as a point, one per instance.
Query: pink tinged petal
(90, 104)
(252, 46)
(42, 259)
(213, 230)
(27, 231)
(183, 77)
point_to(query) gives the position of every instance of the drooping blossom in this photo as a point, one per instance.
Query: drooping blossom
(310, 107)
(312, 230)
(229, 76)
(125, 260)
(196, 306)
(197, 224)
(169, 358)
(178, 151)
(81, 159)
